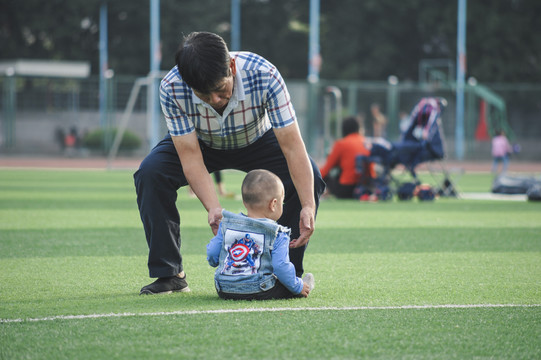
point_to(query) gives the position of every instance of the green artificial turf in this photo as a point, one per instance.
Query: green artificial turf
(71, 243)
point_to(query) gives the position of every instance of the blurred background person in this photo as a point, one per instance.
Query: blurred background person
(339, 171)
(220, 186)
(501, 148)
(379, 121)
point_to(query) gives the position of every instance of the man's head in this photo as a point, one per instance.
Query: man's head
(204, 63)
(263, 194)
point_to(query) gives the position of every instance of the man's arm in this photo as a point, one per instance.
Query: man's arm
(198, 177)
(301, 172)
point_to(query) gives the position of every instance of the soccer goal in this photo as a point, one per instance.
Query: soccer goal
(128, 111)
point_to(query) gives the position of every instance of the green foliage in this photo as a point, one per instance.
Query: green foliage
(102, 139)
(360, 40)
(33, 29)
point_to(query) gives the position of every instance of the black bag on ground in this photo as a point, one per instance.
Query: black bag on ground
(505, 184)
(534, 192)
(405, 191)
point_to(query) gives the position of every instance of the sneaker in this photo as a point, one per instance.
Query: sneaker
(308, 278)
(166, 285)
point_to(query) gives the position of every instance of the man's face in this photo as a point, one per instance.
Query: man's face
(219, 97)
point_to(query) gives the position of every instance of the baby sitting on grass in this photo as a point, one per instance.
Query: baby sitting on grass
(251, 252)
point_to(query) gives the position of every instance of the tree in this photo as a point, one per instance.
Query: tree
(376, 38)
(54, 29)
(360, 40)
(503, 40)
(282, 39)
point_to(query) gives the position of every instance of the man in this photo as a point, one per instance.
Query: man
(223, 111)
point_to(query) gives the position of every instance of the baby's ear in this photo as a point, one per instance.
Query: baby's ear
(272, 204)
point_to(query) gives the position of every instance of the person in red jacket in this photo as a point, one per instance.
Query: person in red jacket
(342, 156)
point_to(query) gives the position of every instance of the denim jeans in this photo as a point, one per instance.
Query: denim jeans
(160, 175)
(500, 159)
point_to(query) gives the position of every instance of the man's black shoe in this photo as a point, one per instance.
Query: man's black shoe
(166, 285)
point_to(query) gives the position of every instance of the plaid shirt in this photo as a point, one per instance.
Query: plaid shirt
(260, 102)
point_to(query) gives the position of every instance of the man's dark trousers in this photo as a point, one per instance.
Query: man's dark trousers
(160, 175)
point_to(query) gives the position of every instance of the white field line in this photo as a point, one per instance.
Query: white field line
(492, 196)
(251, 310)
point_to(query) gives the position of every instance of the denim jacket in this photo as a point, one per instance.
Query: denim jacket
(245, 262)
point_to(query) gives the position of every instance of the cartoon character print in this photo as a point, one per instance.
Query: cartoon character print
(243, 254)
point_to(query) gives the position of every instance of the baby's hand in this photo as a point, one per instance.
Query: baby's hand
(305, 290)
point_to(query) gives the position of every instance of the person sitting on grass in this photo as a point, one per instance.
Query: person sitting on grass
(251, 252)
(343, 158)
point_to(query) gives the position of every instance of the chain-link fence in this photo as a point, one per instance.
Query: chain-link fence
(38, 113)
(516, 109)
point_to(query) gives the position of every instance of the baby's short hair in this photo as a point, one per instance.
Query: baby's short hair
(259, 186)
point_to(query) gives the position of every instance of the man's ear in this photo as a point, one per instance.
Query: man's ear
(233, 66)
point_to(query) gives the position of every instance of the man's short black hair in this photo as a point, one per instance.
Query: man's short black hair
(203, 61)
(350, 125)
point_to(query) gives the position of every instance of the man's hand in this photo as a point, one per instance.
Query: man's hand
(215, 216)
(306, 227)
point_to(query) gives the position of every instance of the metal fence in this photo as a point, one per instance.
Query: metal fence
(34, 110)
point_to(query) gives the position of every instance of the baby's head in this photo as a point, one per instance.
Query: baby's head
(263, 194)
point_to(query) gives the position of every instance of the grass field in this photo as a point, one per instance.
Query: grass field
(449, 279)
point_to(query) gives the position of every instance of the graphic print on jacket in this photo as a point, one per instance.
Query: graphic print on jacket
(243, 252)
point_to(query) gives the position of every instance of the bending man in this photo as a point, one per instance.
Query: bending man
(224, 110)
